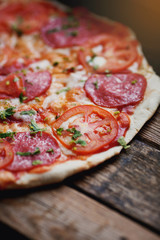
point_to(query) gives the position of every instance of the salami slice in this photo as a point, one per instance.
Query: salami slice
(33, 150)
(77, 30)
(36, 83)
(116, 90)
(21, 17)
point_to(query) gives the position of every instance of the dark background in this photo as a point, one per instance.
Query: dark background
(143, 16)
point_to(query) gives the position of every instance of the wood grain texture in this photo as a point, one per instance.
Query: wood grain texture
(129, 182)
(151, 130)
(64, 214)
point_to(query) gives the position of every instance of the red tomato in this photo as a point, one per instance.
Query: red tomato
(6, 154)
(118, 54)
(96, 128)
(12, 85)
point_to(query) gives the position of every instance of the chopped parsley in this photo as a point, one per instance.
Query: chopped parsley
(24, 71)
(7, 113)
(95, 67)
(37, 151)
(55, 64)
(29, 112)
(22, 98)
(36, 162)
(53, 30)
(96, 84)
(108, 75)
(123, 143)
(56, 117)
(116, 112)
(75, 132)
(81, 142)
(34, 128)
(134, 82)
(92, 58)
(37, 99)
(63, 90)
(46, 118)
(59, 131)
(7, 134)
(74, 33)
(17, 30)
(50, 150)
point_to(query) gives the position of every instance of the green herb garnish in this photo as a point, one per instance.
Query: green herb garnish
(63, 90)
(75, 132)
(134, 82)
(34, 128)
(22, 98)
(29, 112)
(17, 30)
(56, 117)
(74, 33)
(37, 151)
(81, 142)
(50, 150)
(37, 162)
(7, 134)
(96, 84)
(123, 143)
(108, 75)
(53, 30)
(37, 99)
(55, 64)
(59, 131)
(116, 112)
(7, 113)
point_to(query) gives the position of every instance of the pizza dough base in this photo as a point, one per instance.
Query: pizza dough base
(59, 171)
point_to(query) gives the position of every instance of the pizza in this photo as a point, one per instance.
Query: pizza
(75, 88)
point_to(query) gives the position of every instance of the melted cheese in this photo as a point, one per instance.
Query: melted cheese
(40, 65)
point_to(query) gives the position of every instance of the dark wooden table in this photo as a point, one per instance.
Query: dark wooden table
(118, 200)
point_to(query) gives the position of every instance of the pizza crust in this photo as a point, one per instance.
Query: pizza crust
(58, 172)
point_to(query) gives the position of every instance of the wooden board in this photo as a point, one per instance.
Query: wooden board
(129, 182)
(63, 213)
(151, 131)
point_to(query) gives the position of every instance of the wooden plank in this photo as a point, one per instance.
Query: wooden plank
(129, 182)
(63, 213)
(151, 130)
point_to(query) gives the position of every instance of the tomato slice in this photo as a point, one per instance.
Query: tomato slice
(85, 129)
(114, 54)
(6, 154)
(12, 86)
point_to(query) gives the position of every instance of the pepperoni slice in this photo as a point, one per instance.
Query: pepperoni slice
(116, 90)
(114, 54)
(31, 85)
(26, 18)
(42, 149)
(36, 83)
(77, 30)
(11, 86)
(6, 154)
